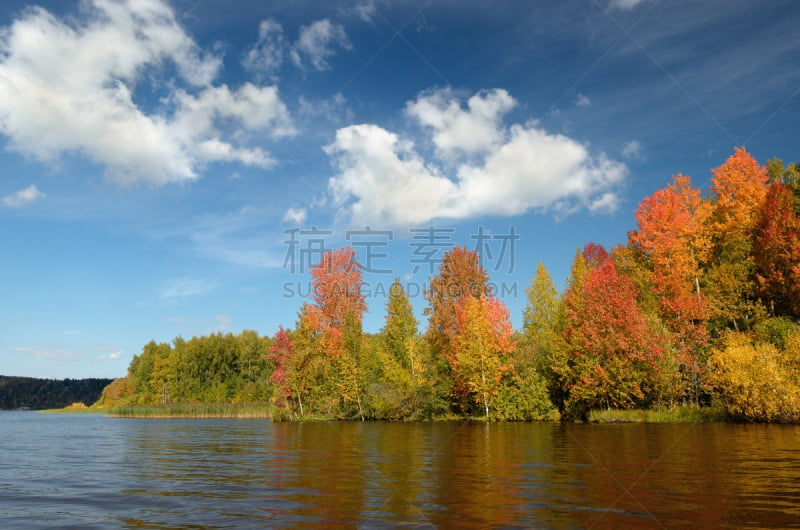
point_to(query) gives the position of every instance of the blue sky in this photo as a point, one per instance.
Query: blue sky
(169, 168)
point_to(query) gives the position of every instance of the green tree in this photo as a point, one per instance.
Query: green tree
(395, 388)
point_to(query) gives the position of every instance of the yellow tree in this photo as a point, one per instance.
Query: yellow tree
(482, 344)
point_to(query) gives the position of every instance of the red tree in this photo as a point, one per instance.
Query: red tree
(460, 275)
(776, 250)
(674, 235)
(281, 352)
(613, 351)
(339, 302)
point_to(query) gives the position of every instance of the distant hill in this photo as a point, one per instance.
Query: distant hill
(32, 393)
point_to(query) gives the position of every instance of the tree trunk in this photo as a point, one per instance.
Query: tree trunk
(485, 394)
(300, 402)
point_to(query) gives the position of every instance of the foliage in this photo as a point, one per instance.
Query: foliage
(756, 381)
(739, 188)
(402, 372)
(699, 307)
(612, 352)
(675, 238)
(543, 315)
(481, 347)
(216, 368)
(460, 275)
(776, 252)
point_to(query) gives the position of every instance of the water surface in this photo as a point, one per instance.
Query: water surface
(91, 471)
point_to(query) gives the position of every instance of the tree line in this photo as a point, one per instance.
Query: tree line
(700, 306)
(37, 394)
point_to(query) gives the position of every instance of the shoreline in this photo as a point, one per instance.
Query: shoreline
(685, 414)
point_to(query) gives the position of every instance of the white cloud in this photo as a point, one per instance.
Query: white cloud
(266, 55)
(462, 131)
(59, 355)
(69, 87)
(582, 100)
(606, 203)
(22, 198)
(624, 5)
(110, 356)
(334, 109)
(224, 323)
(383, 180)
(632, 150)
(295, 215)
(316, 44)
(365, 10)
(387, 179)
(186, 287)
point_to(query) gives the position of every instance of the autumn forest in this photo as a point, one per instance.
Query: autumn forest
(699, 308)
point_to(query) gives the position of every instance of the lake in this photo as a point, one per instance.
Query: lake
(90, 471)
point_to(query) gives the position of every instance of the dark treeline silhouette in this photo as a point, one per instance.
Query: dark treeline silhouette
(37, 394)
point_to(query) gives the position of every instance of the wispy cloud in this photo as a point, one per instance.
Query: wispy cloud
(633, 150)
(365, 10)
(265, 56)
(58, 355)
(186, 287)
(317, 42)
(22, 198)
(224, 323)
(624, 5)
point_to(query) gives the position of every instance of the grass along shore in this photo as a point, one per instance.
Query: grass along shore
(264, 410)
(192, 410)
(665, 415)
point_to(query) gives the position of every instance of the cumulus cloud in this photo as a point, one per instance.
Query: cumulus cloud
(266, 55)
(295, 215)
(22, 198)
(317, 42)
(382, 180)
(458, 130)
(582, 100)
(113, 356)
(69, 86)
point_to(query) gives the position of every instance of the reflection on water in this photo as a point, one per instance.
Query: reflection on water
(98, 472)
